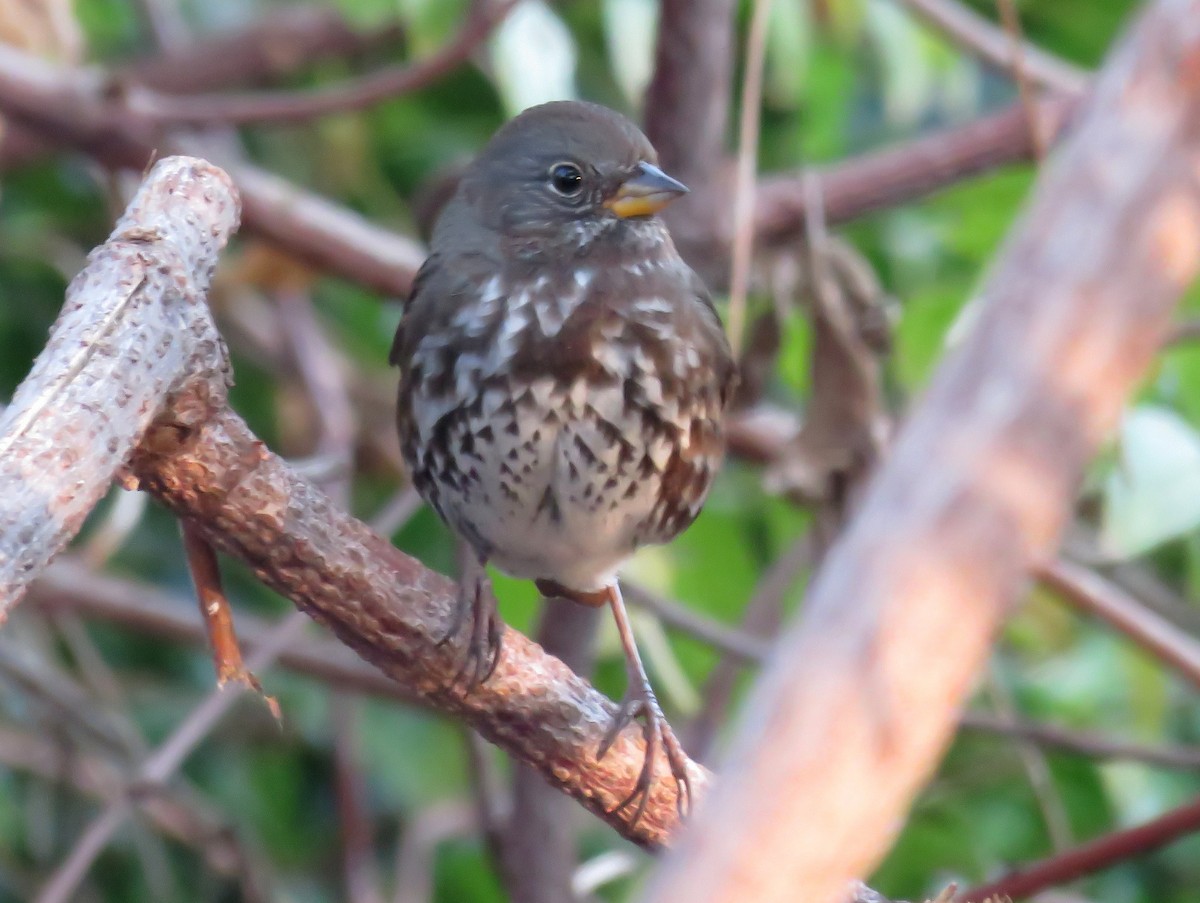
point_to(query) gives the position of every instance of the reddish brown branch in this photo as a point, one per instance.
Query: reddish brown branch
(900, 619)
(388, 608)
(687, 102)
(289, 106)
(1104, 852)
(908, 171)
(71, 108)
(280, 43)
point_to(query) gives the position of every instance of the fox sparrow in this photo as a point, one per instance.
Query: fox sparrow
(563, 378)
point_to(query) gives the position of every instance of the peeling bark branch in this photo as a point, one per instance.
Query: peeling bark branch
(122, 347)
(899, 621)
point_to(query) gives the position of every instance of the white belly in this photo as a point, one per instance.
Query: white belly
(553, 494)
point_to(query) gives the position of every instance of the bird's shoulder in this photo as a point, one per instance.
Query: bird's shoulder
(446, 281)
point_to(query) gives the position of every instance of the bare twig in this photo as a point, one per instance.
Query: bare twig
(69, 586)
(173, 814)
(1104, 852)
(762, 616)
(978, 486)
(215, 612)
(747, 164)
(1037, 769)
(977, 35)
(283, 41)
(158, 767)
(72, 107)
(1091, 593)
(1019, 68)
(739, 645)
(1083, 743)
(358, 860)
(909, 171)
(281, 106)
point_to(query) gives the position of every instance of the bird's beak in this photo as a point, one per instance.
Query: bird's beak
(647, 191)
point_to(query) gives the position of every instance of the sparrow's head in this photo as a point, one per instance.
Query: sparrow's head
(567, 171)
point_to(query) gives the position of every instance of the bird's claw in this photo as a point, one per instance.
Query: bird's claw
(482, 654)
(639, 702)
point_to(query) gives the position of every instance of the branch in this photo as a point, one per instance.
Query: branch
(1092, 594)
(687, 101)
(1098, 854)
(978, 36)
(71, 107)
(909, 171)
(93, 392)
(899, 620)
(69, 586)
(278, 44)
(391, 610)
(291, 106)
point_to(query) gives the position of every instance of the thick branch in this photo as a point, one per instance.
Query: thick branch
(122, 346)
(392, 610)
(900, 619)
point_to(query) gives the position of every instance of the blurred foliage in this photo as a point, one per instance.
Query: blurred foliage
(843, 77)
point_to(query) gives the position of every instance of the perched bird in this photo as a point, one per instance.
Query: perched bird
(563, 378)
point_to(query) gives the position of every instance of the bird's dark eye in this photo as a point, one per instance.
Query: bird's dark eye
(566, 179)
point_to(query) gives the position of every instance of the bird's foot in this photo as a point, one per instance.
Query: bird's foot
(640, 702)
(482, 654)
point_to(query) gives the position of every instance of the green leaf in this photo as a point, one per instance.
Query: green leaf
(1152, 494)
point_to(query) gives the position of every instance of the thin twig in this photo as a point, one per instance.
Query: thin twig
(1102, 853)
(1037, 770)
(1089, 592)
(1018, 67)
(1083, 743)
(159, 766)
(977, 35)
(747, 165)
